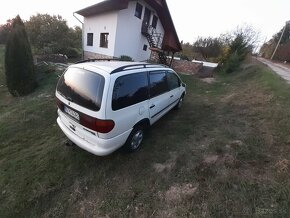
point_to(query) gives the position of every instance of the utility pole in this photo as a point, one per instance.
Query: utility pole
(279, 40)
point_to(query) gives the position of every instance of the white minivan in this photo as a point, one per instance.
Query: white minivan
(103, 105)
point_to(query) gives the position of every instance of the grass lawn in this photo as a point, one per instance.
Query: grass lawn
(226, 153)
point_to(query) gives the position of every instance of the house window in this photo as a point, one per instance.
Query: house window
(104, 40)
(138, 10)
(154, 21)
(90, 39)
(145, 47)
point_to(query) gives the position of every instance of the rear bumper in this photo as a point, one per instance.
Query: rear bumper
(101, 147)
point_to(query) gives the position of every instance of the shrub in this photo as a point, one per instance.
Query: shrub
(72, 52)
(19, 67)
(237, 52)
(125, 58)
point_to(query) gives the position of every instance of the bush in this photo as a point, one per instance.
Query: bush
(125, 58)
(19, 67)
(72, 52)
(236, 53)
(232, 63)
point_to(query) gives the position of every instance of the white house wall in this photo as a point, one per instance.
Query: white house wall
(104, 23)
(129, 40)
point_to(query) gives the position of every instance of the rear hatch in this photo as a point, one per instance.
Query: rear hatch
(79, 94)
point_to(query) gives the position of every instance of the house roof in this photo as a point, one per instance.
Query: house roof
(170, 40)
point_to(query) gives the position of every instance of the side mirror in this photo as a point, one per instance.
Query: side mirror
(183, 84)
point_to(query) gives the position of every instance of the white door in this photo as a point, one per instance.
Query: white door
(174, 85)
(127, 102)
(159, 101)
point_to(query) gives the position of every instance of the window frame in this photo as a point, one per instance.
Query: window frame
(154, 21)
(138, 10)
(104, 40)
(90, 39)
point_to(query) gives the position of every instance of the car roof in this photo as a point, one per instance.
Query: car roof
(117, 66)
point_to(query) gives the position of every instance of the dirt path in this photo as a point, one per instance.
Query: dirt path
(280, 69)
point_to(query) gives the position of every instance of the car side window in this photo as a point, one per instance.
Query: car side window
(158, 83)
(130, 89)
(173, 80)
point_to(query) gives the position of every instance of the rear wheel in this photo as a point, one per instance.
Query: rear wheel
(180, 103)
(135, 139)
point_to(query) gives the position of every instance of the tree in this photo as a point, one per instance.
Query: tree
(51, 34)
(286, 35)
(19, 67)
(208, 47)
(5, 29)
(47, 33)
(241, 43)
(282, 53)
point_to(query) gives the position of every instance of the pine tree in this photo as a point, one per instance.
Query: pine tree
(19, 67)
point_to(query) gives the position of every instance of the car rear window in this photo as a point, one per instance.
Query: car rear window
(82, 87)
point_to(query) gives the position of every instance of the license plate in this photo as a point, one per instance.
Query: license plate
(72, 113)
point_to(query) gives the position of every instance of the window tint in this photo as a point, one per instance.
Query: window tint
(138, 10)
(90, 39)
(130, 89)
(158, 83)
(173, 80)
(104, 40)
(82, 87)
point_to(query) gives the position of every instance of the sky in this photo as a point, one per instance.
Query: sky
(192, 18)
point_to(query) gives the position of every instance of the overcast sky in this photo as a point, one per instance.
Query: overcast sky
(192, 18)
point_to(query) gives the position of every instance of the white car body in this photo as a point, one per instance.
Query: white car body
(71, 114)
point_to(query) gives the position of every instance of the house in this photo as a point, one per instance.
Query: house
(136, 28)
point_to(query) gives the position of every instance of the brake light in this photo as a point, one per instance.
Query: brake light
(102, 126)
(59, 104)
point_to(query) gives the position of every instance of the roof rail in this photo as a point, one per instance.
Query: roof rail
(96, 59)
(137, 66)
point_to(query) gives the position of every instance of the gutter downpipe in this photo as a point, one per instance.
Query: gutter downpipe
(82, 34)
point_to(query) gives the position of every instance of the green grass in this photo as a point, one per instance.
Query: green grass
(225, 153)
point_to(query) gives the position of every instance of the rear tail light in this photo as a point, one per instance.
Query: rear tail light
(102, 126)
(59, 104)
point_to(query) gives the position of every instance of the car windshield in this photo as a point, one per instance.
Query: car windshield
(82, 87)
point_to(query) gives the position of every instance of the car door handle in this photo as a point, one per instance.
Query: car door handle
(152, 106)
(171, 96)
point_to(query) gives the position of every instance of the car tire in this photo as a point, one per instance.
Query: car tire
(135, 139)
(180, 103)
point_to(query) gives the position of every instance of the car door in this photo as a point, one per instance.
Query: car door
(174, 85)
(129, 101)
(159, 95)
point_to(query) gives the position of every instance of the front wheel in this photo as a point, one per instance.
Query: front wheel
(135, 139)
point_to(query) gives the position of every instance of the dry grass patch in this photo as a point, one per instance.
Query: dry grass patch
(177, 193)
